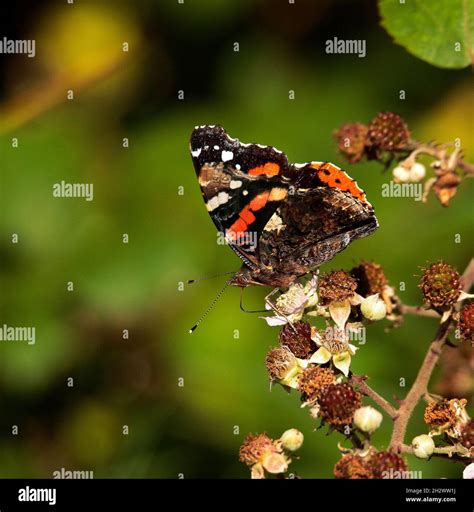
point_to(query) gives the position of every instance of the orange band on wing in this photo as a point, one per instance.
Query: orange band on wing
(337, 178)
(239, 226)
(246, 216)
(270, 169)
(259, 201)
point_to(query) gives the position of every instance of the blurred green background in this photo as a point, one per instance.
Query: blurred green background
(196, 429)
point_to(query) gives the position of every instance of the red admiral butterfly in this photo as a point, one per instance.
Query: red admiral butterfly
(283, 220)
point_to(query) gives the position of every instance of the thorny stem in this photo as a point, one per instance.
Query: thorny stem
(417, 310)
(419, 387)
(454, 452)
(440, 152)
(359, 382)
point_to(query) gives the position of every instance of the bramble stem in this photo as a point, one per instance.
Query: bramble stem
(359, 381)
(440, 152)
(417, 310)
(419, 387)
(455, 453)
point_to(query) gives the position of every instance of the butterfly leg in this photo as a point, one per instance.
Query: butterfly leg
(274, 307)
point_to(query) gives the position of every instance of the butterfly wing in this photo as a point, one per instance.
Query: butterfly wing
(242, 186)
(324, 212)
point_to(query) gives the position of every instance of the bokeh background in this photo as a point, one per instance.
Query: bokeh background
(194, 430)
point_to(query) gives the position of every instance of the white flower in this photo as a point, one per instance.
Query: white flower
(291, 304)
(333, 345)
(340, 311)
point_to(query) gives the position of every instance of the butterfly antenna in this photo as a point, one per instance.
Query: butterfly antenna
(191, 281)
(213, 303)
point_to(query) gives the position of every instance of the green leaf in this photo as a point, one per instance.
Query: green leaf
(440, 32)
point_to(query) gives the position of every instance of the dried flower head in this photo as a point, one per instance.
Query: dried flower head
(351, 139)
(387, 464)
(467, 435)
(259, 451)
(282, 366)
(440, 285)
(354, 467)
(445, 415)
(255, 448)
(466, 322)
(297, 338)
(446, 186)
(313, 381)
(370, 278)
(338, 402)
(388, 131)
(336, 286)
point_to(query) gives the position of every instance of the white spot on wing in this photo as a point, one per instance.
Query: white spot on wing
(227, 155)
(216, 147)
(237, 166)
(245, 192)
(196, 152)
(212, 204)
(235, 184)
(223, 197)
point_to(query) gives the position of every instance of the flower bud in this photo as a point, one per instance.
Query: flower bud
(292, 439)
(373, 307)
(400, 174)
(468, 472)
(423, 446)
(367, 419)
(417, 172)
